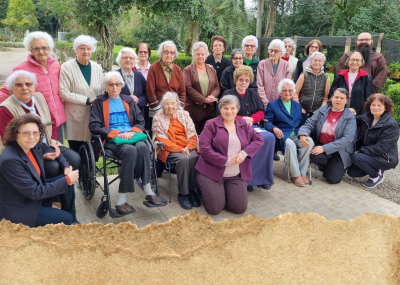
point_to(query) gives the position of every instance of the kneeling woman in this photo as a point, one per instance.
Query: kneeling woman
(115, 115)
(23, 185)
(227, 145)
(376, 142)
(332, 127)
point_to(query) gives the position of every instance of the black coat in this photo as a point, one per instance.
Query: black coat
(140, 88)
(226, 81)
(219, 67)
(22, 190)
(299, 69)
(380, 140)
(249, 104)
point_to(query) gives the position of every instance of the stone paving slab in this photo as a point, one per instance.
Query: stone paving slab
(342, 201)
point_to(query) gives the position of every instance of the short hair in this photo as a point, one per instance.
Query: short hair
(346, 63)
(38, 35)
(111, 74)
(385, 100)
(169, 95)
(12, 128)
(318, 42)
(198, 45)
(147, 46)
(218, 38)
(277, 43)
(243, 70)
(318, 53)
(290, 40)
(168, 44)
(235, 51)
(124, 50)
(228, 99)
(11, 79)
(250, 38)
(85, 40)
(341, 90)
(286, 81)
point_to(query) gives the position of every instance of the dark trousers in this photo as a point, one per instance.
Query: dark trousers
(200, 125)
(185, 171)
(331, 164)
(75, 145)
(52, 167)
(230, 192)
(364, 164)
(133, 158)
(66, 215)
(60, 133)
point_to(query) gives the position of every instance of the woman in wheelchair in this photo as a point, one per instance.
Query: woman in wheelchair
(176, 130)
(118, 120)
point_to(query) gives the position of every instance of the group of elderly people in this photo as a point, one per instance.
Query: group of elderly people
(219, 122)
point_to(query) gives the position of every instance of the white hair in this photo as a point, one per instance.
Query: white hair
(198, 45)
(286, 81)
(317, 53)
(38, 35)
(168, 44)
(250, 38)
(85, 40)
(124, 50)
(111, 74)
(20, 73)
(290, 40)
(277, 43)
(169, 95)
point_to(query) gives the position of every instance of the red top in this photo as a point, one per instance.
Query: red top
(33, 160)
(285, 58)
(257, 116)
(328, 129)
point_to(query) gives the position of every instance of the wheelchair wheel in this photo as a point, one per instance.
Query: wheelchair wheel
(102, 209)
(87, 171)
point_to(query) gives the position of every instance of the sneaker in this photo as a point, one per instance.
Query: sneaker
(371, 184)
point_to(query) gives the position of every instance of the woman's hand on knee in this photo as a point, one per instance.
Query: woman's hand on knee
(304, 141)
(317, 150)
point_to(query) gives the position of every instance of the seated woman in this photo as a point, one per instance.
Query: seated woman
(176, 130)
(376, 141)
(252, 112)
(284, 120)
(227, 145)
(115, 115)
(23, 185)
(332, 128)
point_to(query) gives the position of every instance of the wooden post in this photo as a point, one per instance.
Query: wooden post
(379, 46)
(348, 45)
(294, 50)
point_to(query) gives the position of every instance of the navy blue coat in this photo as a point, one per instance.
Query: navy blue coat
(21, 189)
(140, 88)
(278, 117)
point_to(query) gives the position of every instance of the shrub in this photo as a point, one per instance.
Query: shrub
(385, 87)
(12, 44)
(394, 93)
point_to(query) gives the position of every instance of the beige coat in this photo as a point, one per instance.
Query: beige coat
(74, 90)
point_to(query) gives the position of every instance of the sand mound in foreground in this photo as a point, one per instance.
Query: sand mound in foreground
(288, 249)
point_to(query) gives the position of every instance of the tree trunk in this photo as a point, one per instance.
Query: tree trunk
(104, 53)
(260, 12)
(192, 38)
(270, 23)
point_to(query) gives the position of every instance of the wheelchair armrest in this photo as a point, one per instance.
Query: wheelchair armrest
(262, 123)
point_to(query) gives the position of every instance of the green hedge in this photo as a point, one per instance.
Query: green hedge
(12, 44)
(394, 93)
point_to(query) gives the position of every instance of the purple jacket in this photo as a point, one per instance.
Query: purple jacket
(214, 141)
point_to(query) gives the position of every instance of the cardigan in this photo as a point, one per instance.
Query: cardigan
(214, 142)
(267, 82)
(47, 85)
(219, 67)
(194, 97)
(300, 68)
(226, 81)
(140, 88)
(157, 85)
(362, 88)
(293, 63)
(74, 90)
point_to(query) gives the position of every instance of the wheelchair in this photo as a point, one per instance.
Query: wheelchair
(89, 172)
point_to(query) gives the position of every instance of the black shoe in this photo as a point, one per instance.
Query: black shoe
(266, 186)
(251, 188)
(184, 201)
(371, 184)
(276, 156)
(194, 198)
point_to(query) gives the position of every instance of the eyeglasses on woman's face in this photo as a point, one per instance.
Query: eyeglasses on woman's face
(111, 85)
(29, 134)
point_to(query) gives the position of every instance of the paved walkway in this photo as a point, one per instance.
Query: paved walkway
(342, 201)
(9, 59)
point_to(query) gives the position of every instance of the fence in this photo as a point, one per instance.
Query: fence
(61, 37)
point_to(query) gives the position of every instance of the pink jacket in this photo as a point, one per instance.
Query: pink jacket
(267, 83)
(47, 85)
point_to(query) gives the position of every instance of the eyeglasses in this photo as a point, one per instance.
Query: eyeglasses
(314, 47)
(128, 57)
(168, 52)
(20, 85)
(244, 80)
(28, 134)
(364, 40)
(143, 52)
(237, 58)
(355, 60)
(287, 91)
(37, 49)
(274, 51)
(111, 85)
(249, 46)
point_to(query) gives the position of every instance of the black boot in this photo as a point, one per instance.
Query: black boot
(194, 198)
(184, 201)
(251, 188)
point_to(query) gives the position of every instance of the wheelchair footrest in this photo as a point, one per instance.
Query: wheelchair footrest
(115, 214)
(164, 202)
